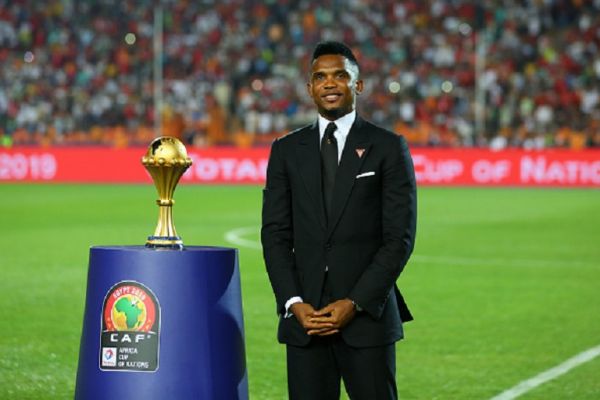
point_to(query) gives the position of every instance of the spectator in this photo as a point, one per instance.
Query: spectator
(73, 72)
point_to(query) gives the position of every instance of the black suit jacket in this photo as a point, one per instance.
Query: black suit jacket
(367, 242)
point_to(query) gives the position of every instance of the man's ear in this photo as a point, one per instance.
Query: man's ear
(309, 89)
(359, 86)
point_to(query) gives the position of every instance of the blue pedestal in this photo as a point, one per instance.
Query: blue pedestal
(182, 338)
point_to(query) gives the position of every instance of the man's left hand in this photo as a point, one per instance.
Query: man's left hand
(338, 314)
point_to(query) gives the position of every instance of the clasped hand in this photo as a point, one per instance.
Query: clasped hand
(326, 321)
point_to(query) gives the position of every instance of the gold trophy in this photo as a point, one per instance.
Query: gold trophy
(166, 160)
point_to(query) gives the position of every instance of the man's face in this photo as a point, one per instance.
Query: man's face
(334, 85)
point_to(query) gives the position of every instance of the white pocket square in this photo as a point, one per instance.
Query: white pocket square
(364, 174)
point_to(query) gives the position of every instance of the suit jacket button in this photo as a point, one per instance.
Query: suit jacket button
(327, 246)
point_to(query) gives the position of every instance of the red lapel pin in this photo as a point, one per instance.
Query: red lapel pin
(360, 152)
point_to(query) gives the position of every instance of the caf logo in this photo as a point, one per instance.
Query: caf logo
(129, 307)
(129, 339)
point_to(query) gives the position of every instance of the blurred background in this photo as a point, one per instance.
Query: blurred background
(511, 73)
(503, 282)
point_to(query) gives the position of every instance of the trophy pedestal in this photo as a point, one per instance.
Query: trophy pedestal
(162, 324)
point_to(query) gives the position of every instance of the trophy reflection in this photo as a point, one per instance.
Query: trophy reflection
(166, 160)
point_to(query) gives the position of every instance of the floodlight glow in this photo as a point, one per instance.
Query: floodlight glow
(447, 87)
(257, 85)
(465, 28)
(28, 57)
(130, 38)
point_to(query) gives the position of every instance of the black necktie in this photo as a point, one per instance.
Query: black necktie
(329, 164)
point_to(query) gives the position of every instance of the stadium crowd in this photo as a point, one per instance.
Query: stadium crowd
(514, 73)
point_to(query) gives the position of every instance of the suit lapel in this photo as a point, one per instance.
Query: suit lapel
(309, 163)
(358, 139)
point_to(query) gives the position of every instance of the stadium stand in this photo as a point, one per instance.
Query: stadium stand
(78, 73)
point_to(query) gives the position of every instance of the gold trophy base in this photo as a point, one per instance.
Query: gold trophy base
(165, 242)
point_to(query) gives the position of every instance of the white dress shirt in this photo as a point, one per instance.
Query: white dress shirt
(341, 134)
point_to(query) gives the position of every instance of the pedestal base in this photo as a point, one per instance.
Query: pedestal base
(199, 324)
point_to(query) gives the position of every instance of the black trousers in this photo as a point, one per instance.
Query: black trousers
(315, 371)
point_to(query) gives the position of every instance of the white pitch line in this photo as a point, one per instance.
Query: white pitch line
(552, 373)
(450, 260)
(237, 237)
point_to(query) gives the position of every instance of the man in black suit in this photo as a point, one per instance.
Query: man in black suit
(339, 222)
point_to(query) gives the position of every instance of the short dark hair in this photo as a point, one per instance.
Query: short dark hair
(331, 47)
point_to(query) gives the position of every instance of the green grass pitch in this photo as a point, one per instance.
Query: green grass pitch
(504, 284)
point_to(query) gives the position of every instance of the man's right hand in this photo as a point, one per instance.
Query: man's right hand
(303, 312)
